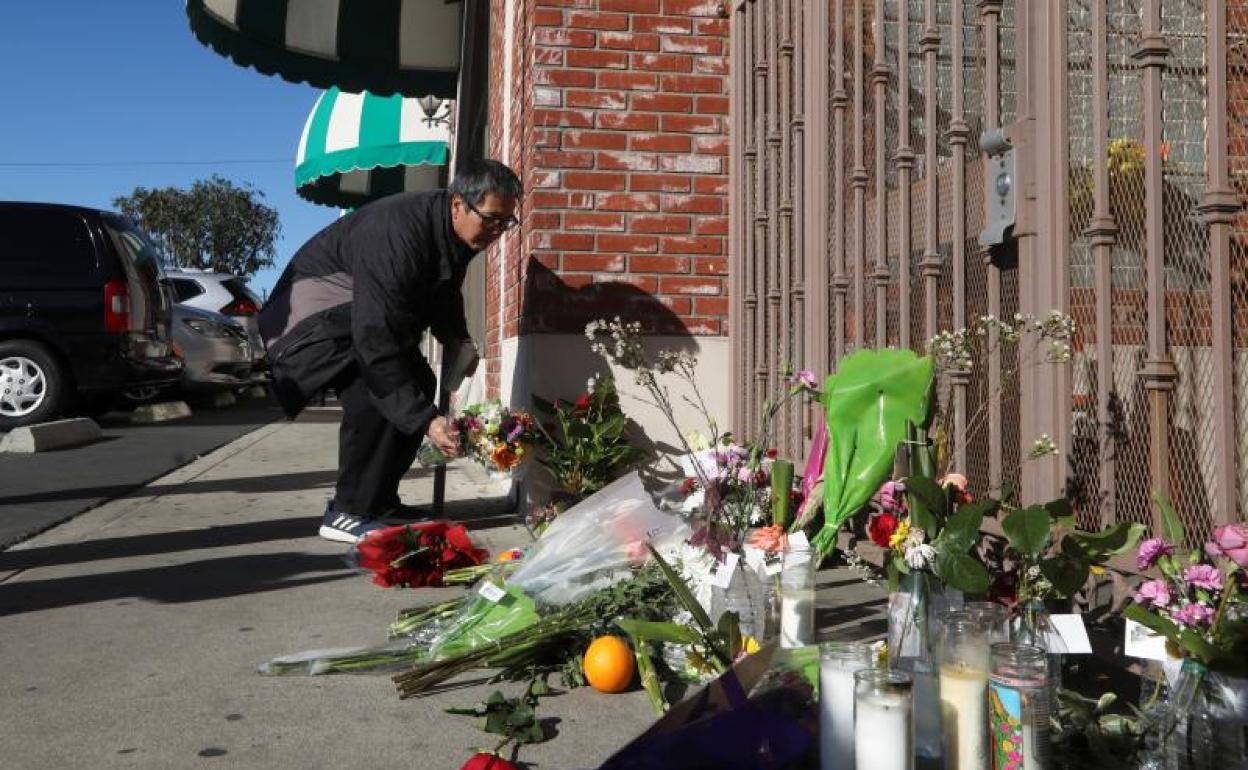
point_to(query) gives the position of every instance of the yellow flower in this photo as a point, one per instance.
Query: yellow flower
(750, 645)
(899, 535)
(1098, 570)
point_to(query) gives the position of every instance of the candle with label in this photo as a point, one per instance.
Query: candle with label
(838, 662)
(1018, 698)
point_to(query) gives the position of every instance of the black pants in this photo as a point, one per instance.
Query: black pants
(373, 454)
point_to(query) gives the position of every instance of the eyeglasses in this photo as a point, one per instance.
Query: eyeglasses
(492, 220)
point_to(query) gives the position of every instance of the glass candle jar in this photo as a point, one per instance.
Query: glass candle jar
(883, 726)
(992, 615)
(1018, 694)
(838, 662)
(964, 691)
(797, 597)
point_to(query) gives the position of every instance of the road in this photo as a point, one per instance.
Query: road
(41, 490)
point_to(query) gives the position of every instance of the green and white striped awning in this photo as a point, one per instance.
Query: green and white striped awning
(359, 147)
(409, 47)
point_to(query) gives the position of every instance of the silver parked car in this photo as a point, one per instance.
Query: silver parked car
(215, 350)
(221, 292)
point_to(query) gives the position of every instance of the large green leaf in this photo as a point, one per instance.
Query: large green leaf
(1152, 621)
(1117, 539)
(962, 530)
(1027, 530)
(868, 402)
(927, 502)
(963, 572)
(1067, 572)
(651, 631)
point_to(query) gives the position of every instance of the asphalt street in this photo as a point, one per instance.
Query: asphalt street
(38, 491)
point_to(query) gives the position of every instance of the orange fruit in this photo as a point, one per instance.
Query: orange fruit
(608, 664)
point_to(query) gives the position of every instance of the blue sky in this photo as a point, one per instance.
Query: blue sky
(127, 83)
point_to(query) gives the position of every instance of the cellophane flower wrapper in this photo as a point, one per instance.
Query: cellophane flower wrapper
(392, 656)
(483, 622)
(596, 543)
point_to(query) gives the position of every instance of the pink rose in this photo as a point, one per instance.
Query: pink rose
(956, 480)
(1231, 541)
(1203, 576)
(1153, 592)
(1151, 550)
(890, 495)
(1194, 615)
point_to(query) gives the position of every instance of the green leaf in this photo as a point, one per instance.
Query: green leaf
(1195, 643)
(730, 629)
(681, 590)
(1117, 539)
(1027, 529)
(1066, 572)
(652, 631)
(868, 402)
(925, 497)
(1172, 525)
(963, 572)
(962, 530)
(1062, 512)
(496, 722)
(1152, 621)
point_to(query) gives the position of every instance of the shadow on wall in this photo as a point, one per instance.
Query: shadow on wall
(553, 358)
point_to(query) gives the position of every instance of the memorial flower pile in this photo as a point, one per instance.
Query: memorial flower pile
(416, 555)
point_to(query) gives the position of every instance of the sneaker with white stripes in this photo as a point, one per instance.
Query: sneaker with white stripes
(347, 527)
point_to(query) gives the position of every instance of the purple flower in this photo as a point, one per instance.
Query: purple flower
(1154, 592)
(1203, 576)
(805, 379)
(1151, 550)
(1194, 615)
(890, 495)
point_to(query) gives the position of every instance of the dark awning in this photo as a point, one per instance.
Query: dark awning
(409, 47)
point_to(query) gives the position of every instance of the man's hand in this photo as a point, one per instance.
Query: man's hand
(444, 436)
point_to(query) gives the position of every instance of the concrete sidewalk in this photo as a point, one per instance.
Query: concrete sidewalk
(131, 634)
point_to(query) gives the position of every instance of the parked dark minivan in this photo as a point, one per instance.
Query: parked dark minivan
(82, 310)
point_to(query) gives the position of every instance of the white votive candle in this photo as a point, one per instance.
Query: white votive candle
(838, 661)
(883, 728)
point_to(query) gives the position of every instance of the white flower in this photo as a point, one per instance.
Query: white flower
(1042, 447)
(921, 557)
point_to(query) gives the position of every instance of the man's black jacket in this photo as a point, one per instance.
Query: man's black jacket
(361, 293)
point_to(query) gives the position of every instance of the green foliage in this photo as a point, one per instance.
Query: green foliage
(868, 402)
(1027, 529)
(1172, 525)
(962, 571)
(215, 225)
(513, 718)
(584, 444)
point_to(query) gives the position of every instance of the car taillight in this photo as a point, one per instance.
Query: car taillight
(116, 307)
(240, 307)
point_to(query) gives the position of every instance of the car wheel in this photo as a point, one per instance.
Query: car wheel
(32, 384)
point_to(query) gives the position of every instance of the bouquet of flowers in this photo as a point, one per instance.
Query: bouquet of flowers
(495, 436)
(416, 554)
(1197, 603)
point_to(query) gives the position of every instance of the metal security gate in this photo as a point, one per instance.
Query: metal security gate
(861, 190)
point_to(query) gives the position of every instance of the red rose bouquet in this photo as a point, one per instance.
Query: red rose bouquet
(416, 554)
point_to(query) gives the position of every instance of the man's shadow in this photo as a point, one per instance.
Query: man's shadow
(563, 305)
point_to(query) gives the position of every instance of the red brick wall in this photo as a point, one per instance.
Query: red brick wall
(619, 128)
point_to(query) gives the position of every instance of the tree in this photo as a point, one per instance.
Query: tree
(216, 225)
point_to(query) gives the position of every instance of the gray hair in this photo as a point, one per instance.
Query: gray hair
(476, 178)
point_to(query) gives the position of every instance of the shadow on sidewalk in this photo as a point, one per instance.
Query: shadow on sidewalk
(160, 542)
(176, 584)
